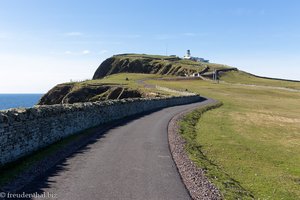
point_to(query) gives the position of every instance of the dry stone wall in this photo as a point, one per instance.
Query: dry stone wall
(23, 131)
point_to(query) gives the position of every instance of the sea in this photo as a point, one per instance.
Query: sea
(8, 101)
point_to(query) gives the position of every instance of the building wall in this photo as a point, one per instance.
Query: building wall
(23, 131)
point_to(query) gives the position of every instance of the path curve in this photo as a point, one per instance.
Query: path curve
(131, 161)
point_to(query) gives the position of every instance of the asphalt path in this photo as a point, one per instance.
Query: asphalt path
(130, 161)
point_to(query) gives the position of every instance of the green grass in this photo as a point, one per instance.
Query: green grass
(245, 78)
(128, 80)
(178, 65)
(161, 57)
(250, 145)
(231, 189)
(120, 79)
(254, 138)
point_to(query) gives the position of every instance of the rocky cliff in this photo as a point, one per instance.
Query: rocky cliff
(90, 91)
(151, 64)
(78, 92)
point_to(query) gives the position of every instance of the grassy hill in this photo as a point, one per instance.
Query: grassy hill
(152, 64)
(117, 86)
(251, 144)
(241, 77)
(249, 147)
(99, 89)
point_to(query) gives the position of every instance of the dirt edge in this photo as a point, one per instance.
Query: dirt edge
(193, 177)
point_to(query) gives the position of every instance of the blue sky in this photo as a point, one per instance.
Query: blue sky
(43, 43)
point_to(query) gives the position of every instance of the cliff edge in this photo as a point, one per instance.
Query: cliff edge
(152, 64)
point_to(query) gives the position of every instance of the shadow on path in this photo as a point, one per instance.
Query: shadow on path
(56, 163)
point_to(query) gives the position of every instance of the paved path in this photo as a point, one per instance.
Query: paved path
(131, 161)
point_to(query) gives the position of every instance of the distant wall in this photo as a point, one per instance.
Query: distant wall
(23, 131)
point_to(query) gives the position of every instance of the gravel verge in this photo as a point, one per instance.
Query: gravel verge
(192, 176)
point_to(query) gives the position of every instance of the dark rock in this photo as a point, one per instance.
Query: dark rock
(140, 64)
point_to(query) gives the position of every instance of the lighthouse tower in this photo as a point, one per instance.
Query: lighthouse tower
(188, 55)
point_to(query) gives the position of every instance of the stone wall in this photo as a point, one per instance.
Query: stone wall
(23, 131)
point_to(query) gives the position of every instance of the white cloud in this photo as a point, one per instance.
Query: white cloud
(73, 34)
(84, 52)
(68, 52)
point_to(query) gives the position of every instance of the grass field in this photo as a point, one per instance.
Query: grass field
(250, 145)
(150, 64)
(120, 79)
(244, 78)
(129, 80)
(253, 139)
(176, 61)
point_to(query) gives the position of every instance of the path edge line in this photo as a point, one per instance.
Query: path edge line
(196, 183)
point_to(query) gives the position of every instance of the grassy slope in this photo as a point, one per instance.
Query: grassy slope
(131, 82)
(254, 137)
(244, 78)
(165, 60)
(231, 189)
(121, 79)
(12, 170)
(253, 140)
(110, 87)
(117, 79)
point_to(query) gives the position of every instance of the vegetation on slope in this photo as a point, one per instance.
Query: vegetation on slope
(74, 93)
(152, 64)
(252, 141)
(99, 90)
(231, 189)
(250, 146)
(117, 86)
(254, 138)
(246, 78)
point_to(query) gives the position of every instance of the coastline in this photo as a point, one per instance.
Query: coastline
(18, 100)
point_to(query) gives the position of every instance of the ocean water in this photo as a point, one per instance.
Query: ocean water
(18, 100)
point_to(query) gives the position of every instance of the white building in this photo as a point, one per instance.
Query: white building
(189, 57)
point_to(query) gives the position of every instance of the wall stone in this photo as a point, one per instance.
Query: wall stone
(23, 131)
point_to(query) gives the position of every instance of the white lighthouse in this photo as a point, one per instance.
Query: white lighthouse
(197, 59)
(188, 55)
